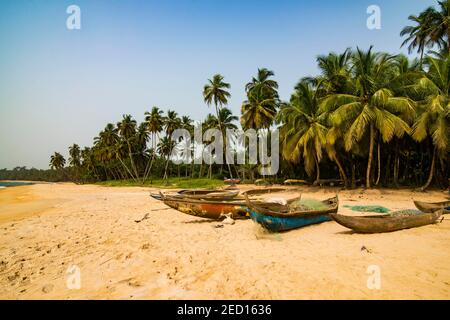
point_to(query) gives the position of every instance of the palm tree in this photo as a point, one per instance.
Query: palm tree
(335, 71)
(215, 91)
(57, 161)
(439, 23)
(303, 131)
(258, 111)
(127, 131)
(155, 122)
(171, 122)
(74, 153)
(419, 36)
(262, 83)
(75, 160)
(434, 118)
(187, 124)
(432, 27)
(165, 147)
(260, 108)
(210, 122)
(372, 107)
(140, 143)
(110, 147)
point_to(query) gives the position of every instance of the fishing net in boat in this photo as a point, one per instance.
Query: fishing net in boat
(406, 212)
(372, 208)
(308, 204)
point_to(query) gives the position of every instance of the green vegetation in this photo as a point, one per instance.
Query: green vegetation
(368, 118)
(180, 183)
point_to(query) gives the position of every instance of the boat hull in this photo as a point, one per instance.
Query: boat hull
(388, 223)
(209, 210)
(277, 224)
(275, 220)
(429, 207)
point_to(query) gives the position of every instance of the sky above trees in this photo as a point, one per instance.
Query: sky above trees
(60, 86)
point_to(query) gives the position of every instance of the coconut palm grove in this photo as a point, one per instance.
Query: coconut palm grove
(369, 118)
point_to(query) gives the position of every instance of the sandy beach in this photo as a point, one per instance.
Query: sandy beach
(47, 230)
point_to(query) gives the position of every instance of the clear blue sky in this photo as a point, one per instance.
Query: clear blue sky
(59, 87)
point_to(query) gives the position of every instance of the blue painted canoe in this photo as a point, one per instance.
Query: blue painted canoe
(284, 218)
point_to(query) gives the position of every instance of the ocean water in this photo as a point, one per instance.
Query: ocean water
(5, 184)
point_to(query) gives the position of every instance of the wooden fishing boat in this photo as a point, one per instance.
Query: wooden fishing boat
(287, 217)
(200, 194)
(429, 207)
(213, 208)
(386, 223)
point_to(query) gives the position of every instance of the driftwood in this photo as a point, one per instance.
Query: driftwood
(145, 217)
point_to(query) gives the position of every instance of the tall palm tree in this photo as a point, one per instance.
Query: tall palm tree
(57, 161)
(165, 147)
(75, 161)
(439, 24)
(262, 82)
(434, 112)
(155, 123)
(260, 108)
(210, 122)
(372, 107)
(127, 131)
(215, 91)
(74, 153)
(335, 70)
(258, 111)
(303, 131)
(419, 36)
(171, 122)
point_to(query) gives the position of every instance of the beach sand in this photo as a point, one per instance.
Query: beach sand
(49, 230)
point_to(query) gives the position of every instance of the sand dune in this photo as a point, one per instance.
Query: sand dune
(49, 231)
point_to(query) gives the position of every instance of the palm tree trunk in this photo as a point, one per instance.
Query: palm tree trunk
(165, 169)
(132, 161)
(352, 165)
(341, 170)
(430, 176)
(147, 173)
(317, 170)
(388, 169)
(396, 165)
(128, 170)
(379, 163)
(369, 162)
(223, 139)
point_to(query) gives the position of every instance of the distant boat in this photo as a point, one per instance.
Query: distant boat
(386, 223)
(429, 207)
(231, 181)
(287, 217)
